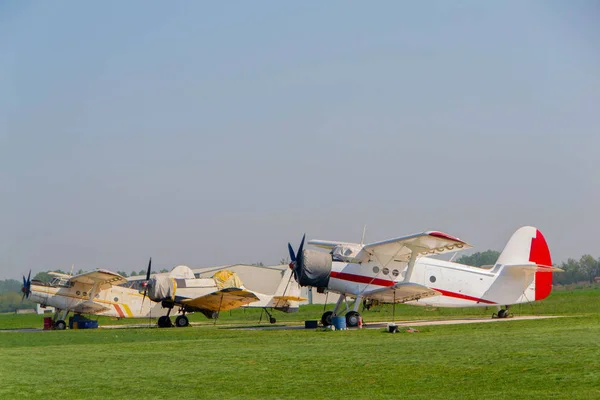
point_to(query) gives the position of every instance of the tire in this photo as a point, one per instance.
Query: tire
(502, 313)
(60, 325)
(326, 318)
(272, 320)
(182, 321)
(164, 322)
(352, 318)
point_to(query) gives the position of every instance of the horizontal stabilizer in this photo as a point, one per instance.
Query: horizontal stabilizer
(401, 293)
(533, 268)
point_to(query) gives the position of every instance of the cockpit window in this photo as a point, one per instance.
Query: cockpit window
(61, 282)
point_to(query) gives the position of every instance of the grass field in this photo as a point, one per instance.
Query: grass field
(552, 358)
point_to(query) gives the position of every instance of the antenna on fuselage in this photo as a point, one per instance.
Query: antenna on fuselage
(72, 266)
(362, 240)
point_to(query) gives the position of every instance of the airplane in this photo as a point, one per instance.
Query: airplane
(224, 291)
(400, 270)
(95, 292)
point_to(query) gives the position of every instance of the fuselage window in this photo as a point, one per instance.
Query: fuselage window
(116, 299)
(376, 269)
(78, 292)
(395, 272)
(432, 279)
(385, 271)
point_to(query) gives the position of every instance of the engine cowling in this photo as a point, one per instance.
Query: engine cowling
(313, 268)
(161, 288)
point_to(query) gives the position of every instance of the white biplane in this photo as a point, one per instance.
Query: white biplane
(401, 270)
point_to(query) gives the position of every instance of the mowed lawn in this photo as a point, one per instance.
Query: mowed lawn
(550, 358)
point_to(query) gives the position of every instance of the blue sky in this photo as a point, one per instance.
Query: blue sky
(211, 134)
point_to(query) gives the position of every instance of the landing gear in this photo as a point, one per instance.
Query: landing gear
(352, 319)
(503, 313)
(352, 315)
(164, 322)
(60, 325)
(326, 318)
(272, 319)
(182, 321)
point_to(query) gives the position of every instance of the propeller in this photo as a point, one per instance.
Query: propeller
(26, 289)
(297, 259)
(145, 284)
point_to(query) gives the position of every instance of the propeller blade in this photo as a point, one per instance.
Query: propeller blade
(29, 278)
(146, 282)
(24, 281)
(297, 259)
(149, 268)
(291, 250)
(301, 246)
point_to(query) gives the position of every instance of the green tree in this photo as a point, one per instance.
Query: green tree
(479, 259)
(10, 285)
(122, 273)
(589, 267)
(164, 270)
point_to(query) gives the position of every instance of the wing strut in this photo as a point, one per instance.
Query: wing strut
(411, 265)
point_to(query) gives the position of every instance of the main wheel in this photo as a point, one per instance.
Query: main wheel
(352, 318)
(182, 321)
(164, 322)
(326, 318)
(60, 325)
(502, 313)
(272, 320)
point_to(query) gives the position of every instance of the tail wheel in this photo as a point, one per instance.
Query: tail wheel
(352, 318)
(326, 318)
(182, 321)
(272, 320)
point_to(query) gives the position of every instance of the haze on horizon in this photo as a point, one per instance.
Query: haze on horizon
(214, 133)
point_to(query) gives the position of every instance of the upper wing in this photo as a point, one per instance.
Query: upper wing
(103, 277)
(401, 292)
(222, 300)
(431, 242)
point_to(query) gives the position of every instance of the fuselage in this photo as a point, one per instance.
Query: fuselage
(460, 285)
(116, 301)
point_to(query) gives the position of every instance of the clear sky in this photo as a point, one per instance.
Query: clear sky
(210, 133)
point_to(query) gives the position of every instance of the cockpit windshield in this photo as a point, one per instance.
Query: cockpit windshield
(61, 282)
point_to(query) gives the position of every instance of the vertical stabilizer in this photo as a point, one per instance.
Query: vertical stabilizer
(527, 246)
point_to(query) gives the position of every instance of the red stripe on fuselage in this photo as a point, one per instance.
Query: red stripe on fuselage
(361, 279)
(387, 283)
(463, 296)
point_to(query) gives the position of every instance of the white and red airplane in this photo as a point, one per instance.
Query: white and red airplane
(400, 271)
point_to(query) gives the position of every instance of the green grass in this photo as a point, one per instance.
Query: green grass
(551, 358)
